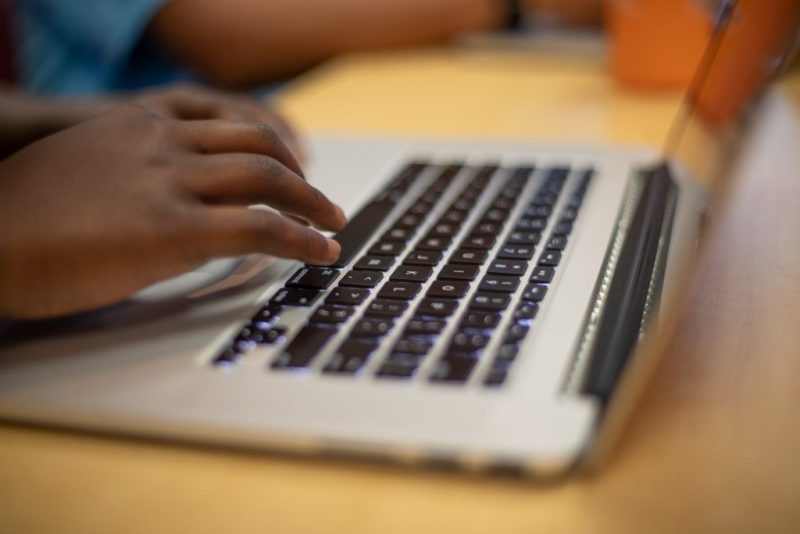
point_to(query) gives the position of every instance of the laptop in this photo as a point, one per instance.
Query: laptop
(494, 307)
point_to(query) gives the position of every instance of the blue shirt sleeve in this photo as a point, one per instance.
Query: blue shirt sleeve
(82, 47)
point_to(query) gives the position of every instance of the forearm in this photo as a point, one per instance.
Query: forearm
(246, 42)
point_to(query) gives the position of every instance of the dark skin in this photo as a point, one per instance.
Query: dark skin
(101, 210)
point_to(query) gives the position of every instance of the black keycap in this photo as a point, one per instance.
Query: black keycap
(527, 224)
(248, 337)
(423, 327)
(267, 315)
(534, 292)
(361, 279)
(454, 216)
(372, 327)
(515, 252)
(494, 215)
(421, 209)
(386, 308)
(490, 229)
(331, 314)
(399, 290)
(313, 278)
(480, 242)
(526, 311)
(508, 267)
(468, 342)
(448, 289)
(398, 233)
(436, 308)
(443, 229)
(490, 301)
(454, 271)
(569, 215)
(471, 256)
(374, 263)
(387, 248)
(434, 243)
(480, 321)
(413, 346)
(496, 376)
(507, 352)
(563, 228)
(347, 296)
(546, 198)
(411, 273)
(464, 203)
(550, 258)
(350, 357)
(361, 227)
(557, 242)
(410, 221)
(543, 274)
(516, 333)
(499, 283)
(228, 357)
(523, 238)
(453, 369)
(503, 203)
(273, 335)
(397, 370)
(537, 210)
(295, 297)
(423, 257)
(305, 346)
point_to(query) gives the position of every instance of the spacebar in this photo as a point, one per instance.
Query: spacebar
(304, 348)
(360, 228)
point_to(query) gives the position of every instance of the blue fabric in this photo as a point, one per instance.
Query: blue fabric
(81, 47)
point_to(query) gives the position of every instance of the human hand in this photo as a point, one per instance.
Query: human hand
(99, 211)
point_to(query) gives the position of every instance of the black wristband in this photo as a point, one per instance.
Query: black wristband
(513, 15)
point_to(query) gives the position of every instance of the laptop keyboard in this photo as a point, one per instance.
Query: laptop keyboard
(445, 292)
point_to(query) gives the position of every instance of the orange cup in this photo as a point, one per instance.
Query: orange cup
(656, 44)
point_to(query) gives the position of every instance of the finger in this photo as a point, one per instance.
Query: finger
(232, 231)
(252, 179)
(284, 129)
(220, 136)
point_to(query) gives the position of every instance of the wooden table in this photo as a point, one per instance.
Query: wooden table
(714, 445)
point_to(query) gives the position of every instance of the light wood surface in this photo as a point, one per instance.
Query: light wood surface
(713, 446)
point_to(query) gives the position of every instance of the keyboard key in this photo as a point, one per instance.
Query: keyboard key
(569, 215)
(305, 346)
(550, 257)
(496, 376)
(423, 327)
(313, 278)
(228, 357)
(387, 248)
(398, 233)
(526, 311)
(443, 229)
(399, 290)
(268, 314)
(475, 257)
(499, 283)
(413, 346)
(478, 242)
(273, 335)
(557, 242)
(436, 308)
(539, 211)
(508, 267)
(412, 273)
(361, 227)
(515, 252)
(372, 327)
(494, 215)
(535, 292)
(490, 301)
(468, 342)
(543, 274)
(563, 228)
(374, 263)
(516, 333)
(347, 296)
(434, 243)
(361, 279)
(523, 238)
(454, 271)
(528, 224)
(453, 369)
(295, 297)
(454, 216)
(507, 352)
(396, 370)
(490, 229)
(386, 308)
(331, 315)
(350, 357)
(423, 257)
(409, 221)
(480, 321)
(448, 289)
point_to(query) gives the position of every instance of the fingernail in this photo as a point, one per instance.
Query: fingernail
(334, 249)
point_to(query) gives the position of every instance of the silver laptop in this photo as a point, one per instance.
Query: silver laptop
(483, 314)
